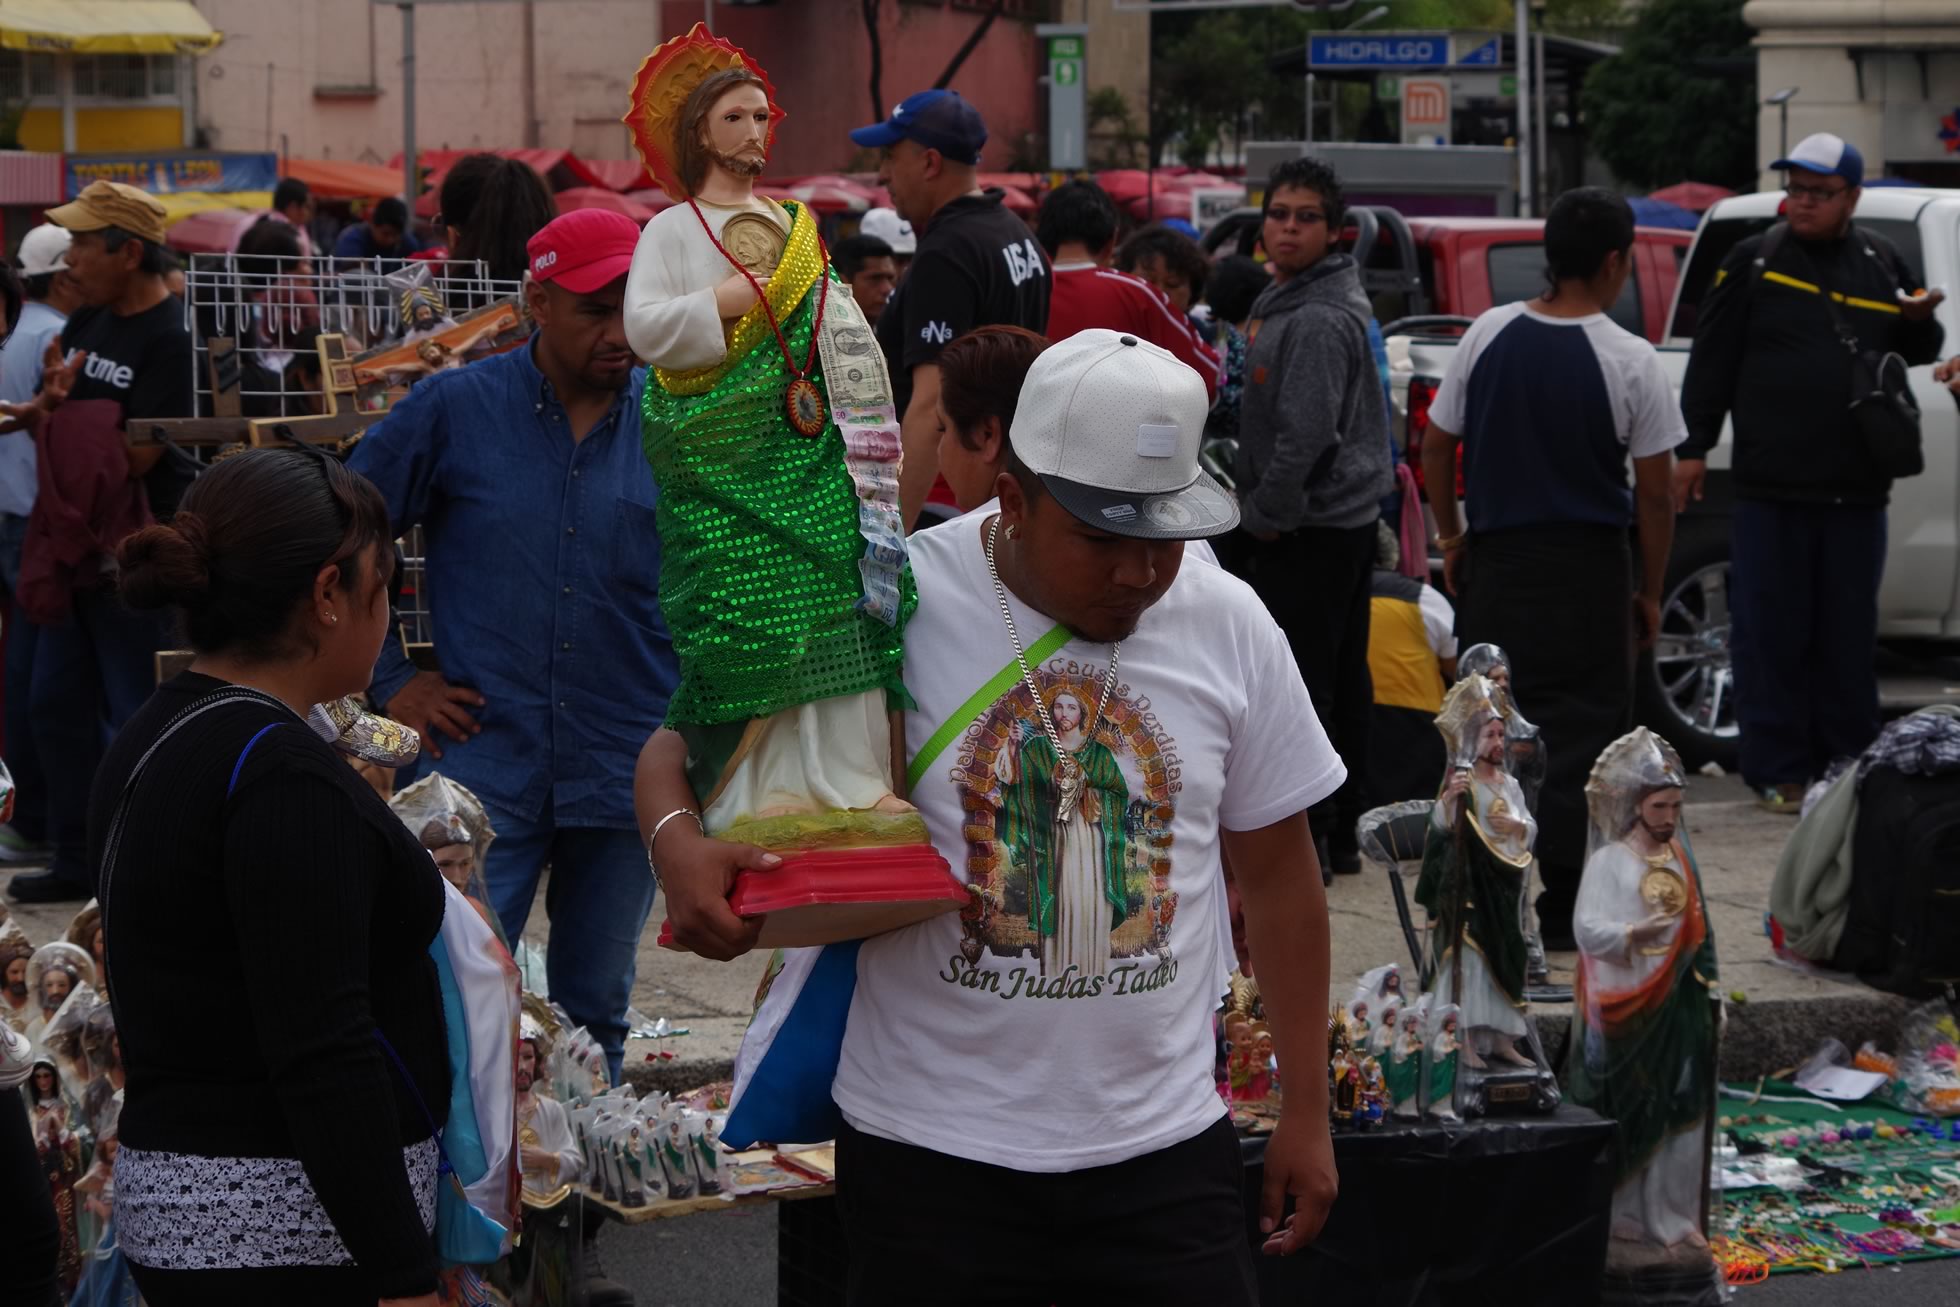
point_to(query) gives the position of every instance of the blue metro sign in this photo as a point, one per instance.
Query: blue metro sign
(1379, 50)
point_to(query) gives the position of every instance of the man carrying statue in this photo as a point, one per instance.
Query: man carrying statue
(772, 434)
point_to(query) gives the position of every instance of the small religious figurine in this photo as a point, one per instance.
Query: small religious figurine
(1374, 1095)
(772, 434)
(449, 821)
(85, 932)
(704, 1133)
(1342, 1086)
(1403, 1076)
(632, 1155)
(17, 1004)
(105, 1280)
(1238, 1057)
(1360, 1028)
(1646, 1014)
(59, 1148)
(1440, 1063)
(53, 972)
(1381, 1040)
(547, 1155)
(1379, 984)
(1263, 1064)
(1477, 854)
(1524, 758)
(674, 1152)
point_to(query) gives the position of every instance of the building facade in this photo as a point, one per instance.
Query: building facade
(1883, 74)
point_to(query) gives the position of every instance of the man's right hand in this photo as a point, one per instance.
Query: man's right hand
(696, 874)
(428, 703)
(1690, 476)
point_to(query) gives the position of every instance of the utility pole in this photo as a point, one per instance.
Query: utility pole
(1521, 44)
(412, 175)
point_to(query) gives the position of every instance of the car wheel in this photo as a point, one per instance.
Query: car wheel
(1685, 686)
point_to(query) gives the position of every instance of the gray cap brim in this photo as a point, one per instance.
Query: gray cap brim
(1199, 511)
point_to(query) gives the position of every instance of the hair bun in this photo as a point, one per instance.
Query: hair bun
(167, 564)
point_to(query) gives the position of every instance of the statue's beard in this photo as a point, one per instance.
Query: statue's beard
(1661, 835)
(747, 162)
(17, 991)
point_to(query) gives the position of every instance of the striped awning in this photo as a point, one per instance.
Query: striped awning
(105, 27)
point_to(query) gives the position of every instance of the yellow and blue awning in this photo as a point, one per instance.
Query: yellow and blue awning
(105, 27)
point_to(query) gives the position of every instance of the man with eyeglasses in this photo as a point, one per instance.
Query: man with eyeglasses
(1808, 528)
(1313, 466)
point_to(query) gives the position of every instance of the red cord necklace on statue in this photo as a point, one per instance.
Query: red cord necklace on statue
(803, 400)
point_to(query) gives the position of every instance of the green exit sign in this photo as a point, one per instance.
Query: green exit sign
(1065, 47)
(1507, 85)
(1067, 72)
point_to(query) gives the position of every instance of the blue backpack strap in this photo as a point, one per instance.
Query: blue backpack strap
(239, 766)
(435, 1131)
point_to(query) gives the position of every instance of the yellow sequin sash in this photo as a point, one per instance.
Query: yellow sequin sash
(802, 263)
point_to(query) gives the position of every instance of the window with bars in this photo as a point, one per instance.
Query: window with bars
(97, 77)
(24, 76)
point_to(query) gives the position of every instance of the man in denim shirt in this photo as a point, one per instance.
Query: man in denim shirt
(537, 506)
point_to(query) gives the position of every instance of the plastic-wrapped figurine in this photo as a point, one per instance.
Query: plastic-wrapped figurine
(1475, 860)
(1379, 984)
(1360, 1028)
(771, 430)
(1440, 1063)
(675, 1152)
(85, 932)
(1374, 1095)
(1343, 1084)
(451, 824)
(704, 1135)
(18, 1003)
(53, 972)
(1524, 758)
(1646, 1016)
(58, 1145)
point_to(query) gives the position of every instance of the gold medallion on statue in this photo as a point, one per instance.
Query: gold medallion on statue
(1663, 890)
(754, 242)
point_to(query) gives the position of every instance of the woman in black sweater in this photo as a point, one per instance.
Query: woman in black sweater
(267, 917)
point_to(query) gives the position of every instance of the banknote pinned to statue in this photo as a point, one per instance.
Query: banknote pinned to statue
(771, 430)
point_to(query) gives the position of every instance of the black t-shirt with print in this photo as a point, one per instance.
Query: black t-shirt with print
(977, 265)
(142, 362)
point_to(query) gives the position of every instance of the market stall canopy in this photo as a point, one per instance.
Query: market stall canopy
(826, 193)
(105, 27)
(1695, 197)
(178, 205)
(598, 197)
(1652, 211)
(652, 197)
(331, 179)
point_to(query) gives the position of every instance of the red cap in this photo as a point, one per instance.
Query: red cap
(584, 249)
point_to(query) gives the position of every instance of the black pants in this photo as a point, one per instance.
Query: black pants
(1168, 1227)
(30, 1238)
(1316, 582)
(1559, 600)
(1803, 595)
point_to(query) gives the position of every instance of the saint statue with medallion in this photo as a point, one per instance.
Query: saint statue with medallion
(1646, 1011)
(773, 437)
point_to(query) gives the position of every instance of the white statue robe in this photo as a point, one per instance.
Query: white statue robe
(1661, 1202)
(833, 754)
(554, 1131)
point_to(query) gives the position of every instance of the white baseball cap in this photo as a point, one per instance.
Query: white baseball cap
(44, 250)
(888, 227)
(1112, 424)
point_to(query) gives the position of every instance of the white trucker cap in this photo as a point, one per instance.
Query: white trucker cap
(1112, 425)
(44, 250)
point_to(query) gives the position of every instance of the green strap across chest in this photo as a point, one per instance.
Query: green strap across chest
(962, 717)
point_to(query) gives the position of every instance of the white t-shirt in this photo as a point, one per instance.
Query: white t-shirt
(1646, 416)
(1070, 1026)
(1438, 621)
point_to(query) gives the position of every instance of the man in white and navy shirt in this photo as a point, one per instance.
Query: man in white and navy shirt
(1548, 398)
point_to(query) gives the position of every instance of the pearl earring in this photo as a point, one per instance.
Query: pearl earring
(333, 619)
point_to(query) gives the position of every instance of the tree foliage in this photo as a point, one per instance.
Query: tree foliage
(1663, 111)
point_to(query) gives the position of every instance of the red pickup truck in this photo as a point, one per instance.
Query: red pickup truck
(1432, 268)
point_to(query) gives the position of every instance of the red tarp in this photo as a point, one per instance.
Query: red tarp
(333, 180)
(621, 174)
(214, 231)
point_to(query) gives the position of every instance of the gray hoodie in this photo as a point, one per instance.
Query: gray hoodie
(1313, 427)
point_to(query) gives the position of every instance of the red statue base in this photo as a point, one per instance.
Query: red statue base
(837, 894)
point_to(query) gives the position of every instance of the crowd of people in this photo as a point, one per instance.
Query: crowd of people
(1055, 389)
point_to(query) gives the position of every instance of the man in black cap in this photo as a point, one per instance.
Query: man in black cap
(976, 265)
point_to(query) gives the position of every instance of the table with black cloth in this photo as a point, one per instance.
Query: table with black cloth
(1511, 1210)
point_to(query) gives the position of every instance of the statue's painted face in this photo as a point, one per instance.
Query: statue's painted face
(527, 1064)
(17, 978)
(737, 130)
(1660, 814)
(1490, 742)
(55, 986)
(43, 1082)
